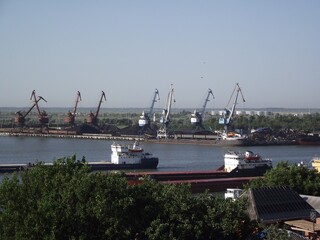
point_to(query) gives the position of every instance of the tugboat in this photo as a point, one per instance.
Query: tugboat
(232, 139)
(125, 157)
(245, 164)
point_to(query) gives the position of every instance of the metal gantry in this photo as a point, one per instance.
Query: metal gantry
(165, 118)
(70, 118)
(197, 117)
(92, 118)
(144, 120)
(227, 117)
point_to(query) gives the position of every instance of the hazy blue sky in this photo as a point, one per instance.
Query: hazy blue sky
(129, 48)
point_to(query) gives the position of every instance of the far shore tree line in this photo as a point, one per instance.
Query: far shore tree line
(181, 121)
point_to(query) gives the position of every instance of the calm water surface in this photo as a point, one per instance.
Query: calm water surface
(173, 157)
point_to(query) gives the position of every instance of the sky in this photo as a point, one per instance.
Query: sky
(129, 48)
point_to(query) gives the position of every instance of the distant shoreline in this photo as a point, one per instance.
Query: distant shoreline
(174, 110)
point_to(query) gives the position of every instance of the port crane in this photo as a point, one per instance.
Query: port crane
(165, 119)
(93, 118)
(70, 118)
(144, 120)
(227, 117)
(42, 115)
(20, 118)
(197, 117)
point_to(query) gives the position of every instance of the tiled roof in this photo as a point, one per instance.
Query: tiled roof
(274, 204)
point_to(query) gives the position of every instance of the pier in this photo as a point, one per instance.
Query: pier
(78, 136)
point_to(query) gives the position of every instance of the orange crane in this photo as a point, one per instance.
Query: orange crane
(70, 118)
(42, 116)
(93, 118)
(20, 118)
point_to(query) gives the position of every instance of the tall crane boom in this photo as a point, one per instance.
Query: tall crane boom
(228, 113)
(154, 100)
(165, 119)
(20, 118)
(70, 118)
(145, 117)
(42, 116)
(103, 96)
(93, 118)
(77, 101)
(197, 117)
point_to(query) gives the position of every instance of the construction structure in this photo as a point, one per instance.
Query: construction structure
(20, 118)
(145, 118)
(42, 115)
(70, 118)
(92, 118)
(227, 117)
(165, 118)
(197, 117)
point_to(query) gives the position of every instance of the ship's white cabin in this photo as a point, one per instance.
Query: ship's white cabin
(247, 160)
(122, 154)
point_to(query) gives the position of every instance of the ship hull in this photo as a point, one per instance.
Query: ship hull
(309, 141)
(201, 175)
(8, 168)
(145, 163)
(250, 172)
(233, 142)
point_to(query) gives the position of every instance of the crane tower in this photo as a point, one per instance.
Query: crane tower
(165, 119)
(197, 117)
(227, 117)
(42, 115)
(92, 118)
(144, 120)
(20, 118)
(70, 118)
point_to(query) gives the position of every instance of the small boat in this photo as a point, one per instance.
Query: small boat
(246, 164)
(232, 139)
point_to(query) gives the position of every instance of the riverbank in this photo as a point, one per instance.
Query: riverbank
(191, 140)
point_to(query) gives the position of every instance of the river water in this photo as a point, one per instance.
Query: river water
(172, 157)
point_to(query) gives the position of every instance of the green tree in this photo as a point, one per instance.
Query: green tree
(62, 201)
(300, 178)
(67, 201)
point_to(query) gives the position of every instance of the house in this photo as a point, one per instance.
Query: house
(283, 206)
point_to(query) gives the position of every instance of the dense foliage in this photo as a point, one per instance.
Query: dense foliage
(300, 178)
(66, 201)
